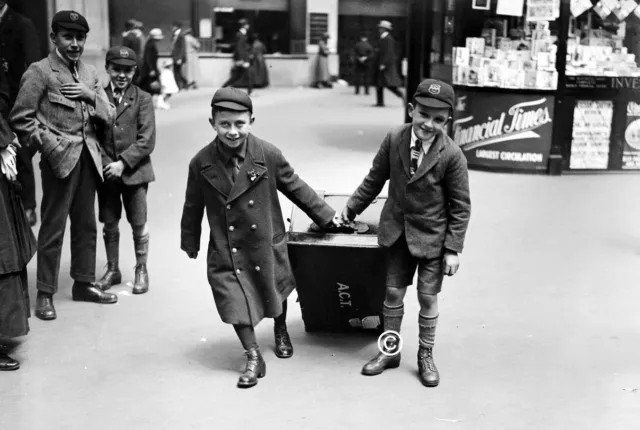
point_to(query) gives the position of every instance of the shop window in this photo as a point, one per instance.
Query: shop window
(272, 28)
(501, 51)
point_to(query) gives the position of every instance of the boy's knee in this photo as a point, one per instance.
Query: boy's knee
(428, 301)
(140, 230)
(394, 296)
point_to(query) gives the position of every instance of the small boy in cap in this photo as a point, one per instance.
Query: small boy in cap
(424, 220)
(236, 178)
(127, 168)
(63, 111)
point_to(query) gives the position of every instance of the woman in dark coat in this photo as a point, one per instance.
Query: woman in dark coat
(259, 65)
(17, 243)
(149, 73)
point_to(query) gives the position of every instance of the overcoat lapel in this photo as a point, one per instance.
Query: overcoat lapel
(125, 103)
(405, 151)
(252, 170)
(63, 74)
(213, 171)
(430, 159)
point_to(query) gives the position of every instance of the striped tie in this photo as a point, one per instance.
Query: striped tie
(415, 156)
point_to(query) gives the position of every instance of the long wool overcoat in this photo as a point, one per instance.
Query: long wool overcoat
(248, 264)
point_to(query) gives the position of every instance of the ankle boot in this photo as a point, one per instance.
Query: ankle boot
(141, 282)
(7, 363)
(112, 276)
(392, 320)
(44, 307)
(256, 368)
(429, 375)
(284, 349)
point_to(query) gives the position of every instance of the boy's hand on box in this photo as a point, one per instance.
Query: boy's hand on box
(451, 263)
(192, 254)
(114, 170)
(347, 215)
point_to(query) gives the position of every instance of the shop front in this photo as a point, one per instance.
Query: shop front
(547, 86)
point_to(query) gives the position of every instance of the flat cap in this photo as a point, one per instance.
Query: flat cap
(71, 20)
(233, 99)
(436, 94)
(122, 55)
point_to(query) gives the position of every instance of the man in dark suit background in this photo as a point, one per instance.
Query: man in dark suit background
(387, 65)
(133, 38)
(241, 58)
(179, 54)
(19, 48)
(362, 53)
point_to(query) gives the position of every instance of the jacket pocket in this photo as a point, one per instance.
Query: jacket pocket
(61, 112)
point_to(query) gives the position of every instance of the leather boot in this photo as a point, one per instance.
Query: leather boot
(112, 276)
(141, 282)
(44, 307)
(429, 375)
(7, 363)
(88, 292)
(284, 349)
(256, 368)
(392, 320)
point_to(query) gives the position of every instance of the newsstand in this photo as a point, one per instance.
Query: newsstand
(340, 276)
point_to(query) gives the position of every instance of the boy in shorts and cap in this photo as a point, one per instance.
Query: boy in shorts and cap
(127, 167)
(236, 178)
(62, 111)
(424, 220)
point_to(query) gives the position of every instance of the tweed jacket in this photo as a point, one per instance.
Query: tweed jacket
(58, 127)
(432, 208)
(19, 47)
(248, 265)
(132, 137)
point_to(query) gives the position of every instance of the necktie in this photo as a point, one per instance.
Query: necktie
(74, 71)
(117, 97)
(235, 164)
(415, 156)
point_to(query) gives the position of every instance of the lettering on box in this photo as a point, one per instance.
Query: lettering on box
(344, 296)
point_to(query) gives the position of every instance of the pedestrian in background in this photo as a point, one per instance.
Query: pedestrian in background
(179, 55)
(127, 168)
(61, 110)
(236, 178)
(192, 72)
(133, 38)
(386, 65)
(19, 48)
(259, 64)
(17, 243)
(240, 71)
(362, 53)
(424, 221)
(168, 86)
(322, 77)
(150, 72)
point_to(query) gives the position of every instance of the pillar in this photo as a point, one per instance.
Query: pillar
(298, 26)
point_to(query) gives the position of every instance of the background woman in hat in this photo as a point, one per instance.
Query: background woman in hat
(322, 78)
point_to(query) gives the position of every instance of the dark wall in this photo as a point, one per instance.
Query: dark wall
(36, 11)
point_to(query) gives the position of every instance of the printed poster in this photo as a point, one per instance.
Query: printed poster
(542, 10)
(578, 7)
(592, 121)
(510, 7)
(625, 9)
(631, 147)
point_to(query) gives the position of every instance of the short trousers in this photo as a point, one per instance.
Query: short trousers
(113, 195)
(401, 268)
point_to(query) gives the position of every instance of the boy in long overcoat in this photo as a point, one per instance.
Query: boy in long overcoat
(237, 178)
(127, 168)
(424, 220)
(62, 111)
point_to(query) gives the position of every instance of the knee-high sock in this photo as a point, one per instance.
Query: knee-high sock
(427, 335)
(392, 317)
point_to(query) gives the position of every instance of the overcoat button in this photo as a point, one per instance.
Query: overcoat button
(232, 228)
(234, 250)
(228, 207)
(253, 227)
(257, 268)
(250, 203)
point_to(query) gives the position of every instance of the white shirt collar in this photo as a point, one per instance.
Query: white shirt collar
(114, 89)
(243, 30)
(425, 145)
(4, 10)
(64, 60)
(383, 35)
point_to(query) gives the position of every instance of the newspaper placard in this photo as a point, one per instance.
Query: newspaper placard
(631, 148)
(592, 122)
(542, 10)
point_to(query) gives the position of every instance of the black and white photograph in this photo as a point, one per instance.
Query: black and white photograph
(319, 214)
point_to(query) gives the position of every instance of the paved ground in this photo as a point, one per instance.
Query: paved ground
(540, 329)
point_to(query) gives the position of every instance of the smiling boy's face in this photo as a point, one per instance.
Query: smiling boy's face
(232, 127)
(70, 43)
(120, 75)
(428, 121)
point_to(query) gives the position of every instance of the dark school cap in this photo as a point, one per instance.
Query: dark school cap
(70, 20)
(436, 94)
(233, 99)
(122, 55)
